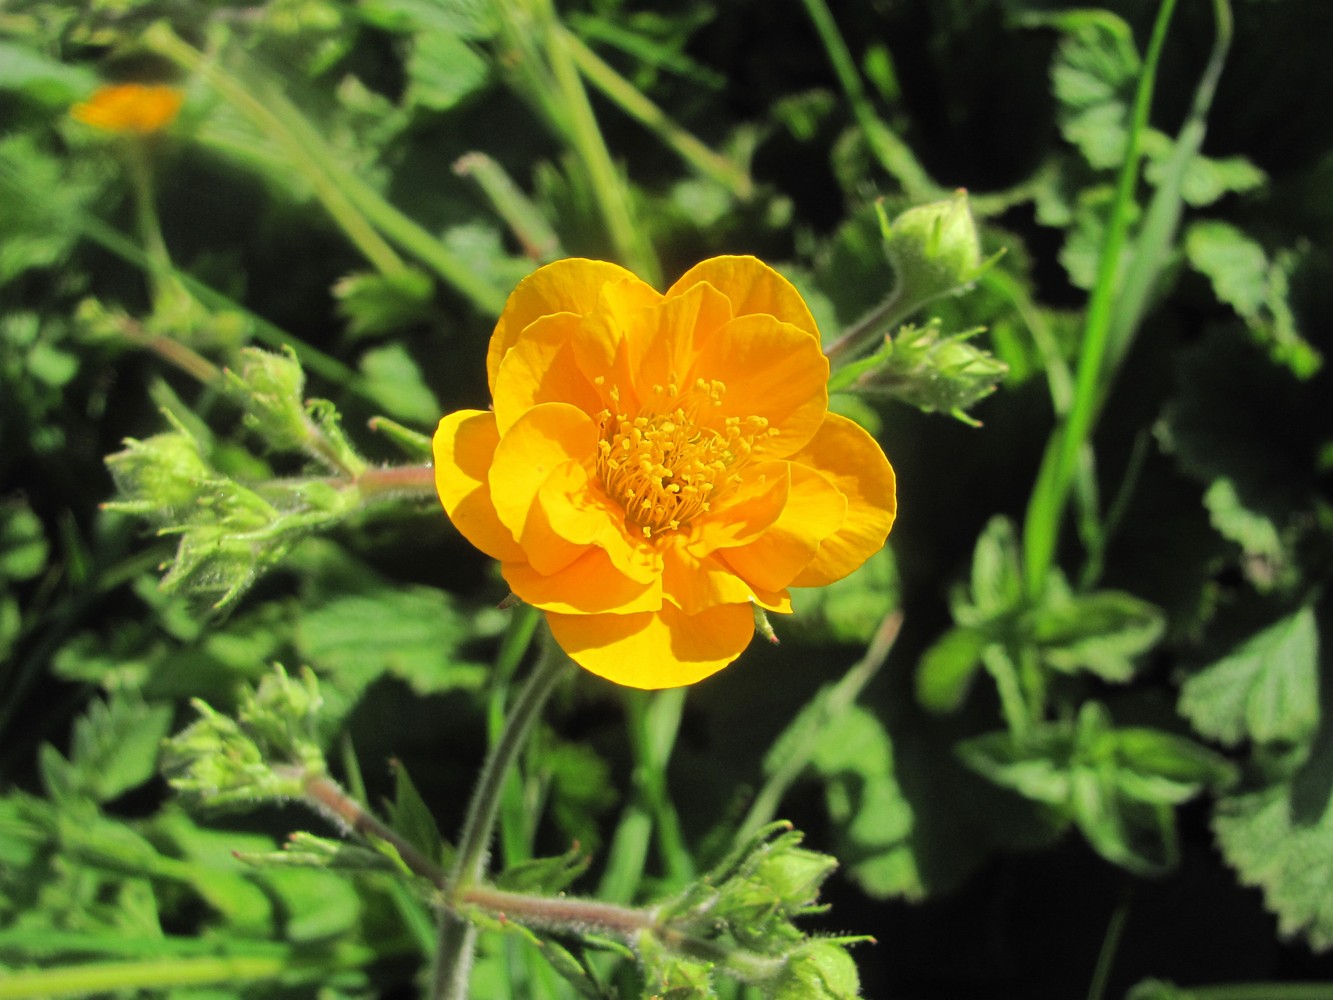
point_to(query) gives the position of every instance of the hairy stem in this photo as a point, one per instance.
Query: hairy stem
(453, 958)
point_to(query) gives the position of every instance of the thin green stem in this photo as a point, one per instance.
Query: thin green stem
(632, 101)
(1106, 957)
(159, 973)
(869, 329)
(585, 137)
(524, 219)
(893, 154)
(515, 821)
(453, 958)
(326, 797)
(1046, 509)
(653, 720)
(834, 704)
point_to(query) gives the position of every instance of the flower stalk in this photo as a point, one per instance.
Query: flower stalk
(453, 959)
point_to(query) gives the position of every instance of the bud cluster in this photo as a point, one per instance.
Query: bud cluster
(230, 532)
(270, 749)
(739, 918)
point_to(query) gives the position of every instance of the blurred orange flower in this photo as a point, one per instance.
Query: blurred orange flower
(130, 108)
(654, 466)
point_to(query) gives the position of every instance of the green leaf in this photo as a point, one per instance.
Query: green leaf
(53, 83)
(1207, 179)
(394, 381)
(1243, 277)
(1036, 767)
(874, 819)
(23, 547)
(410, 817)
(117, 743)
(410, 632)
(1279, 838)
(1093, 78)
(1256, 533)
(1102, 632)
(997, 575)
(851, 609)
(1236, 264)
(1163, 768)
(545, 876)
(442, 70)
(376, 303)
(947, 668)
(1266, 690)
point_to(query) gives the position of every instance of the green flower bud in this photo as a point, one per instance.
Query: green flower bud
(161, 477)
(819, 970)
(933, 248)
(794, 876)
(270, 387)
(931, 371)
(269, 751)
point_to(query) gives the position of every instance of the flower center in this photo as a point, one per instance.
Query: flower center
(669, 463)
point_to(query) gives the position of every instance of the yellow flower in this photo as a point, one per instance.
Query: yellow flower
(130, 108)
(655, 465)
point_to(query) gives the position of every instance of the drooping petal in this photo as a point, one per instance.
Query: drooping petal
(771, 370)
(588, 585)
(662, 649)
(538, 442)
(464, 447)
(554, 360)
(572, 285)
(753, 287)
(854, 462)
(580, 513)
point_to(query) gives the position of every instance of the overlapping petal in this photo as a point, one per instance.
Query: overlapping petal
(540, 440)
(771, 370)
(753, 288)
(573, 285)
(814, 512)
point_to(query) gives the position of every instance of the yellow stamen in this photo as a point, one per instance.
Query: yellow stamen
(669, 463)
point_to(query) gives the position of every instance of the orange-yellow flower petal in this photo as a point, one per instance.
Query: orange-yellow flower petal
(550, 363)
(573, 285)
(652, 650)
(771, 370)
(464, 448)
(814, 511)
(675, 331)
(753, 287)
(854, 462)
(571, 506)
(130, 108)
(590, 585)
(696, 583)
(746, 513)
(539, 441)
